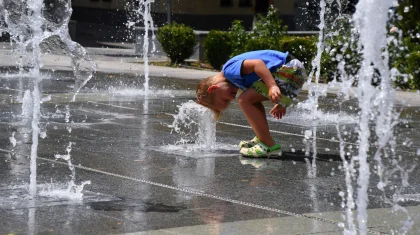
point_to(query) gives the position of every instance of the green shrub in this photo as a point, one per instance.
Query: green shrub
(177, 41)
(269, 26)
(404, 54)
(266, 33)
(336, 53)
(239, 37)
(407, 19)
(398, 53)
(217, 48)
(413, 68)
(340, 47)
(254, 44)
(303, 48)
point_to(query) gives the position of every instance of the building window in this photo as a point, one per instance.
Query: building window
(226, 3)
(245, 3)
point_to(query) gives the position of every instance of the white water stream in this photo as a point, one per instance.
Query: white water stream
(37, 28)
(144, 10)
(376, 122)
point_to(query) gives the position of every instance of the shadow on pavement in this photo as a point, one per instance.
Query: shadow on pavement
(302, 155)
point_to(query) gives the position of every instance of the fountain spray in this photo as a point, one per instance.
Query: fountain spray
(377, 114)
(372, 42)
(34, 28)
(72, 188)
(144, 10)
(195, 124)
(314, 92)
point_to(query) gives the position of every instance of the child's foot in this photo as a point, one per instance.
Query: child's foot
(248, 144)
(261, 150)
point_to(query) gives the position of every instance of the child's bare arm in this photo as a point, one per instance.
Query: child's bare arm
(259, 67)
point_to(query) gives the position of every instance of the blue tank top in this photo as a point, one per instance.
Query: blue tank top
(232, 68)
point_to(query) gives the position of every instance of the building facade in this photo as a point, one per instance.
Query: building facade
(106, 20)
(198, 14)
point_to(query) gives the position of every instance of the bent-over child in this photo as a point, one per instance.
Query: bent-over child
(262, 75)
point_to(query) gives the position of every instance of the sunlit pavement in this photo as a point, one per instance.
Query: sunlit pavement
(138, 185)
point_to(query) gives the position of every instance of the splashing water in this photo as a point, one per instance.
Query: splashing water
(27, 107)
(39, 28)
(12, 139)
(156, 93)
(346, 90)
(196, 125)
(314, 92)
(73, 190)
(377, 113)
(304, 115)
(372, 100)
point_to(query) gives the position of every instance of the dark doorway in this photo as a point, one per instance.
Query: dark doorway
(261, 6)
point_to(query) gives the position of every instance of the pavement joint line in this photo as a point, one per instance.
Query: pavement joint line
(196, 192)
(318, 138)
(10, 89)
(112, 105)
(286, 133)
(248, 127)
(199, 193)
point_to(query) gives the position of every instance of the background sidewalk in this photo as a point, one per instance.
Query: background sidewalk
(119, 60)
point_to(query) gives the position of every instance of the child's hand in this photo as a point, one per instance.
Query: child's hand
(278, 111)
(274, 94)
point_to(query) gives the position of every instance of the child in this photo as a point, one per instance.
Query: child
(262, 77)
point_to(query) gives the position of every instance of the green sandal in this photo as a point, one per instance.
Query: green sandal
(248, 144)
(261, 150)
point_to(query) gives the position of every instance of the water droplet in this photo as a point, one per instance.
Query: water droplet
(308, 134)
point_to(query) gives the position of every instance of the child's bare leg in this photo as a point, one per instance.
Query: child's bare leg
(250, 103)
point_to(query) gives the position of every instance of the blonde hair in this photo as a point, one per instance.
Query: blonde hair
(205, 98)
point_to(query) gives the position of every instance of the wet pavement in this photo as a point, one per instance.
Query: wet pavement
(137, 184)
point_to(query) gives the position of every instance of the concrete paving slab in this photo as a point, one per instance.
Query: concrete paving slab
(383, 220)
(121, 143)
(300, 225)
(283, 225)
